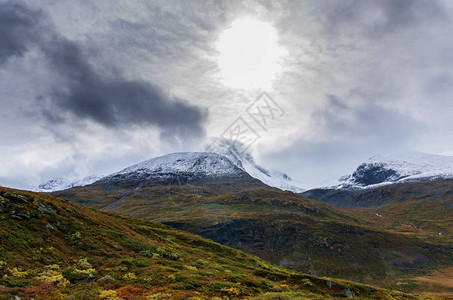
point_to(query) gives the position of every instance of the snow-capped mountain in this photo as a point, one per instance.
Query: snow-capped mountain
(59, 184)
(413, 166)
(234, 151)
(178, 168)
(198, 163)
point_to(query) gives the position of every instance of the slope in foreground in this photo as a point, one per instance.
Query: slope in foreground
(52, 249)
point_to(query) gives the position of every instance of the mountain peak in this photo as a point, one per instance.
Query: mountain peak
(196, 168)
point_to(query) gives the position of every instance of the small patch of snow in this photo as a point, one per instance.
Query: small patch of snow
(59, 184)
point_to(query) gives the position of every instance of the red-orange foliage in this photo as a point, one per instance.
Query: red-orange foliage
(41, 291)
(129, 292)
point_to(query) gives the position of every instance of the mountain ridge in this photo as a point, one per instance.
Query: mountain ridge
(381, 170)
(179, 167)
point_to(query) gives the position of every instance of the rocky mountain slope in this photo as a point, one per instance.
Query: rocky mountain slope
(53, 249)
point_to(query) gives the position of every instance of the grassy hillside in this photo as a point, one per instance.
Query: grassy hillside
(284, 228)
(54, 249)
(423, 209)
(387, 194)
(426, 205)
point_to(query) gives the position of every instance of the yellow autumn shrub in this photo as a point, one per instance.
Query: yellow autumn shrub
(83, 267)
(18, 274)
(129, 276)
(52, 277)
(109, 295)
(232, 291)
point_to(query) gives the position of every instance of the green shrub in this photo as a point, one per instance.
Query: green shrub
(266, 284)
(140, 263)
(128, 262)
(16, 282)
(138, 247)
(164, 252)
(80, 271)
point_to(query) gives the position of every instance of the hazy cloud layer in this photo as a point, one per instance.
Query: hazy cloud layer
(377, 19)
(367, 122)
(93, 84)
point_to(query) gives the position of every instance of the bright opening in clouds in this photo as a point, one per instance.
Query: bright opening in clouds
(250, 56)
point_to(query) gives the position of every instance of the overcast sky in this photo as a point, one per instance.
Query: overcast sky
(90, 87)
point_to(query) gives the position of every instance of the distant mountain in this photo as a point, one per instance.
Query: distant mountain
(227, 163)
(412, 166)
(234, 151)
(59, 184)
(388, 180)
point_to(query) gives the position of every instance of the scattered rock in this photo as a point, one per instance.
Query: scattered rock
(3, 202)
(107, 278)
(90, 277)
(22, 215)
(348, 293)
(330, 284)
(15, 198)
(46, 208)
(50, 226)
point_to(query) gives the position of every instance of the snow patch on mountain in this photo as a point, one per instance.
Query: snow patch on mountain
(59, 184)
(412, 166)
(235, 152)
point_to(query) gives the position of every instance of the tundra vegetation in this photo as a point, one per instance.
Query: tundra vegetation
(54, 249)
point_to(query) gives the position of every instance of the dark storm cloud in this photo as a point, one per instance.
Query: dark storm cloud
(114, 101)
(88, 94)
(17, 25)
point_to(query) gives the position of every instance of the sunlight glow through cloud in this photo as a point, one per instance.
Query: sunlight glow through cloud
(249, 54)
